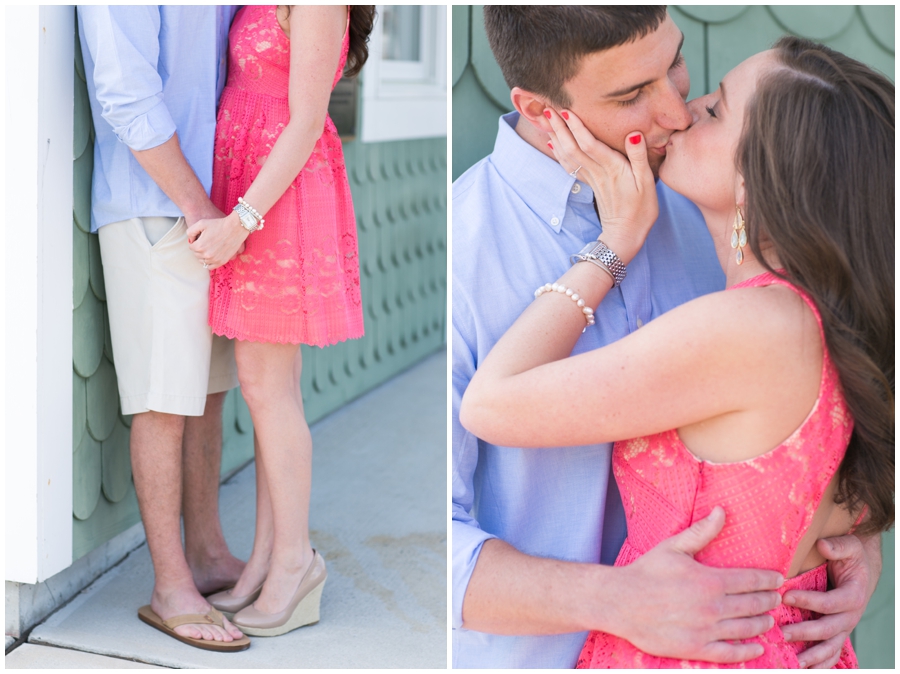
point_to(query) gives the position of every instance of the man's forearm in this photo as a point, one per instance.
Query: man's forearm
(665, 603)
(514, 593)
(172, 173)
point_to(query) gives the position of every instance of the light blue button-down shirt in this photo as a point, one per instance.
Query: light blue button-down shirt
(517, 217)
(151, 71)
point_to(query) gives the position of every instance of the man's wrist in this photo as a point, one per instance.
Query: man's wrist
(512, 593)
(624, 247)
(599, 609)
(199, 209)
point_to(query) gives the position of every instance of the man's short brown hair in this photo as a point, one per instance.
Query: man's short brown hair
(539, 47)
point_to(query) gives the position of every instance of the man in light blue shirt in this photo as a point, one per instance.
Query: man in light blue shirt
(154, 75)
(531, 526)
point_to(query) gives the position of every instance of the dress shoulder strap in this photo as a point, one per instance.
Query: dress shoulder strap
(768, 278)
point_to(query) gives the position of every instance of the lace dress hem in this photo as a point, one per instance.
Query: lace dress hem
(280, 339)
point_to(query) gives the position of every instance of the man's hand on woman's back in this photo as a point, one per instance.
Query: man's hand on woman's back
(672, 606)
(854, 567)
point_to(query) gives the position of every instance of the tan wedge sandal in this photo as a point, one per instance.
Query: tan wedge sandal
(303, 608)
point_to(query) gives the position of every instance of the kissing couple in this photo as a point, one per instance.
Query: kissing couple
(708, 285)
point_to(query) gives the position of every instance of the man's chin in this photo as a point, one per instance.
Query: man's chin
(655, 161)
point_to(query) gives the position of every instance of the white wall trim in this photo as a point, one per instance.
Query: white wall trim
(39, 107)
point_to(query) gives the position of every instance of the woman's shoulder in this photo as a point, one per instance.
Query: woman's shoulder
(766, 330)
(765, 342)
(766, 313)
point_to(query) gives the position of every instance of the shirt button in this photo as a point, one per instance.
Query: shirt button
(640, 323)
(576, 188)
(554, 222)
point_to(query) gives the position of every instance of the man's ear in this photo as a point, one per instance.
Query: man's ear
(531, 107)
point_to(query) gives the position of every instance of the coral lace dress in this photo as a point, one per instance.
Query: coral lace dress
(769, 504)
(297, 280)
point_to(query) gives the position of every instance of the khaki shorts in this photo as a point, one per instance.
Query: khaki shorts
(157, 293)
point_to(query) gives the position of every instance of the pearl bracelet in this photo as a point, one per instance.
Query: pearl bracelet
(571, 294)
(255, 213)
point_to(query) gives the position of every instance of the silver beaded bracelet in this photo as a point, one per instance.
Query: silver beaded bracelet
(571, 294)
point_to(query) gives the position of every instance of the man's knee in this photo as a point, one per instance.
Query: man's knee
(152, 429)
(214, 404)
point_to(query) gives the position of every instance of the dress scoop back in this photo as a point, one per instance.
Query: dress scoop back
(297, 280)
(769, 504)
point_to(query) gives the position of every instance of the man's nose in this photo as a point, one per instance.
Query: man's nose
(673, 113)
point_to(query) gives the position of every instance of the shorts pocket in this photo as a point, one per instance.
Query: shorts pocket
(177, 229)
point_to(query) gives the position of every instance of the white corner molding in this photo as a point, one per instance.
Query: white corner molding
(406, 100)
(37, 293)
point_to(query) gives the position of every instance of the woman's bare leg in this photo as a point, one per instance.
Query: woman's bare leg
(258, 565)
(269, 383)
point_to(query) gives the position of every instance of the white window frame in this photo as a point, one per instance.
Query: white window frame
(404, 100)
(411, 71)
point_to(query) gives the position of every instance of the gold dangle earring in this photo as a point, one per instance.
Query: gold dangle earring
(739, 235)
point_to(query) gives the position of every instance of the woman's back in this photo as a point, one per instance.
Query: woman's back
(771, 501)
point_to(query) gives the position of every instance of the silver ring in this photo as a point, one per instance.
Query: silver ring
(574, 173)
(205, 264)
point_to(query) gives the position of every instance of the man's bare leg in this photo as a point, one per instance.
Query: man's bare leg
(156, 460)
(214, 568)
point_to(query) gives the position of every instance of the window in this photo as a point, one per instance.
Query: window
(404, 82)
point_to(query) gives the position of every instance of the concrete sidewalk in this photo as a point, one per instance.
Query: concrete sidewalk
(379, 517)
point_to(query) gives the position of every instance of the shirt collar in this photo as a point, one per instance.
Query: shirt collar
(541, 182)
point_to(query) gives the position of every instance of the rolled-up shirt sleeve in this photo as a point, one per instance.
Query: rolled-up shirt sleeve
(468, 536)
(123, 42)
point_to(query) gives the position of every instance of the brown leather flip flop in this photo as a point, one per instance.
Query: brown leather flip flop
(147, 615)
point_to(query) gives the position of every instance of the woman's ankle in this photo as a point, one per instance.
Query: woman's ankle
(295, 561)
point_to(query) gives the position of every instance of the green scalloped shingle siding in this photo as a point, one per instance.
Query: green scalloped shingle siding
(726, 36)
(717, 38)
(115, 464)
(399, 191)
(86, 477)
(104, 502)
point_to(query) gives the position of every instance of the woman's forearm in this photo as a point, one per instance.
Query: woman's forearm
(284, 163)
(545, 332)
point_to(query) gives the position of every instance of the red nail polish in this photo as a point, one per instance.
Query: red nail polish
(549, 144)
(547, 114)
(635, 139)
(565, 115)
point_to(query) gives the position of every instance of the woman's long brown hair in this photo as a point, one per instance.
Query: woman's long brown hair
(817, 157)
(362, 18)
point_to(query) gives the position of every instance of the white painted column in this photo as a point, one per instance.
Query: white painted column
(37, 294)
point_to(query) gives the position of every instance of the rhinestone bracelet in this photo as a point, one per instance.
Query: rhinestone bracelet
(571, 294)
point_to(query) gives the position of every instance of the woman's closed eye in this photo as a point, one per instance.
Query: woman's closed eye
(711, 111)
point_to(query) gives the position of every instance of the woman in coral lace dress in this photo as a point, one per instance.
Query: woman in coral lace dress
(772, 399)
(285, 272)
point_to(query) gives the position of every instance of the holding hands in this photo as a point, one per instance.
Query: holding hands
(624, 187)
(216, 241)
